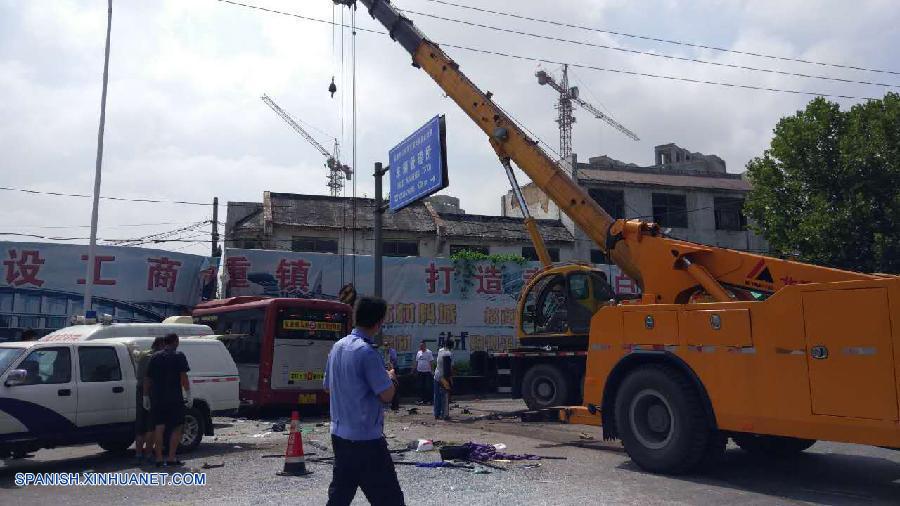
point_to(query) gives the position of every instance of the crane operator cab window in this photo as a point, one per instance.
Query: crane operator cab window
(557, 303)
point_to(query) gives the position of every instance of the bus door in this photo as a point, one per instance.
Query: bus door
(303, 339)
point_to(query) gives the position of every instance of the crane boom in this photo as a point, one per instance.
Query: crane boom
(296, 126)
(613, 123)
(667, 270)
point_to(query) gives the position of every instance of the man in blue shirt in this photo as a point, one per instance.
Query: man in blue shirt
(358, 385)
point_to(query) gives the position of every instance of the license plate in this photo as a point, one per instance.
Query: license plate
(307, 375)
(306, 399)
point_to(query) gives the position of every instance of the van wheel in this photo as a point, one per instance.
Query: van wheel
(192, 430)
(545, 386)
(116, 446)
(771, 446)
(661, 421)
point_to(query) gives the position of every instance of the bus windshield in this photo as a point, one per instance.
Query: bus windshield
(307, 323)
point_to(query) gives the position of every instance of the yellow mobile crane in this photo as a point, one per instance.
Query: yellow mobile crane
(772, 353)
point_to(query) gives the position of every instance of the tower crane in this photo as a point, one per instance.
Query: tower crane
(567, 96)
(336, 170)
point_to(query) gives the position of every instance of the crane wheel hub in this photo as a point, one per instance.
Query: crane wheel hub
(651, 419)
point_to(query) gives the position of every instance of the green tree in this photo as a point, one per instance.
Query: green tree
(828, 188)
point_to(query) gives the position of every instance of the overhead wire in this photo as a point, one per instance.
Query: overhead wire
(121, 199)
(647, 53)
(666, 41)
(579, 65)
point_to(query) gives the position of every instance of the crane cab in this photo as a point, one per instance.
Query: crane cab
(558, 304)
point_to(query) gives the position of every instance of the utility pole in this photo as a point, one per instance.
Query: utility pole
(89, 278)
(380, 208)
(215, 227)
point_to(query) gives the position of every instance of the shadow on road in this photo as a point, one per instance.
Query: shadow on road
(823, 478)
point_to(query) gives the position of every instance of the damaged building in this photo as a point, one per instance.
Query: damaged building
(435, 227)
(689, 194)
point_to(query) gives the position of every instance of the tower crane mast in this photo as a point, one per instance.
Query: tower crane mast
(336, 170)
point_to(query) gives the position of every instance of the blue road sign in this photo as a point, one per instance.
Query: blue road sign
(419, 164)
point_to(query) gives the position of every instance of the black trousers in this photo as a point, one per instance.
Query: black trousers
(395, 400)
(426, 380)
(367, 465)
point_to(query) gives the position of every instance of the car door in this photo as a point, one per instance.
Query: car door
(45, 404)
(102, 396)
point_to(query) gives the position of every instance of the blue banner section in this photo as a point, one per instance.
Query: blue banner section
(418, 165)
(42, 284)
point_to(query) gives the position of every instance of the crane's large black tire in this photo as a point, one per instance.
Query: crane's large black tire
(545, 386)
(771, 446)
(661, 421)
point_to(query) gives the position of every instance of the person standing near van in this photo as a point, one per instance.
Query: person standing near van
(358, 384)
(424, 373)
(143, 426)
(442, 385)
(163, 386)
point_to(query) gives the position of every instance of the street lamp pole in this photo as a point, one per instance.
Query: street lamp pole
(89, 277)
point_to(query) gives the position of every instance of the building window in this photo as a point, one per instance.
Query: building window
(400, 248)
(599, 257)
(729, 214)
(611, 200)
(249, 244)
(314, 245)
(456, 248)
(530, 254)
(670, 210)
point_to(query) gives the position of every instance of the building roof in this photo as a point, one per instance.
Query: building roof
(500, 228)
(324, 212)
(649, 177)
(321, 211)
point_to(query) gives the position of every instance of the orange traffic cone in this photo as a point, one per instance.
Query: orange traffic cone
(294, 463)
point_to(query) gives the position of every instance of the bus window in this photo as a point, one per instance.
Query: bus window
(241, 334)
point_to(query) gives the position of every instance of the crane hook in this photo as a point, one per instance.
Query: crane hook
(332, 87)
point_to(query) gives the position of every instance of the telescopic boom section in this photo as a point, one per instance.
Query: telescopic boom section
(667, 270)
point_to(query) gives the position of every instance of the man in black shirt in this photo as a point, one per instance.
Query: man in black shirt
(166, 378)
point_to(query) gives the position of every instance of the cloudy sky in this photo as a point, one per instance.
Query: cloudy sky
(184, 119)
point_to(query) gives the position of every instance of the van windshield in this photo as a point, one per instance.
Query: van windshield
(8, 356)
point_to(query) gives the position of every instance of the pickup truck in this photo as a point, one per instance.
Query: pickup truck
(65, 393)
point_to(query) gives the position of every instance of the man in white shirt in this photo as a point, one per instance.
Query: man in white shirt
(424, 361)
(442, 381)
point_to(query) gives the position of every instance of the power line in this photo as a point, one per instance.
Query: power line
(649, 53)
(666, 41)
(579, 65)
(112, 226)
(658, 76)
(121, 199)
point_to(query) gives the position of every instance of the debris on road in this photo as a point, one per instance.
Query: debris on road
(207, 465)
(585, 435)
(425, 445)
(278, 427)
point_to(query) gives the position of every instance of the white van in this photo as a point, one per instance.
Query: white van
(77, 385)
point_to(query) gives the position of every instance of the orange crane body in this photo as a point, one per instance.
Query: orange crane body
(698, 358)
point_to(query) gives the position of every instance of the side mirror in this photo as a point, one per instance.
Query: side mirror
(16, 377)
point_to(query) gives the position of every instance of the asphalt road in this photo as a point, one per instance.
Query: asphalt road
(243, 459)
